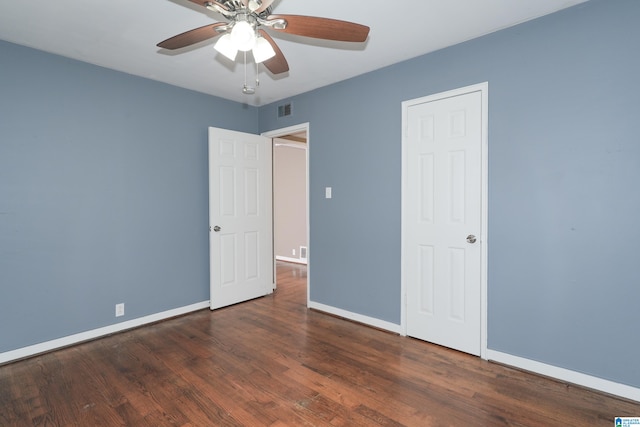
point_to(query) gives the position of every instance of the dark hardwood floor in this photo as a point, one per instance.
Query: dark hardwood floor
(273, 362)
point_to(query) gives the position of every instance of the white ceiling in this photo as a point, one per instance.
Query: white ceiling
(122, 35)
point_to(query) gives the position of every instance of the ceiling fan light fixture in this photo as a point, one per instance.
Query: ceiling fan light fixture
(253, 5)
(225, 46)
(263, 50)
(243, 36)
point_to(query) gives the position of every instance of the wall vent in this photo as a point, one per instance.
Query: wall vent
(284, 110)
(303, 252)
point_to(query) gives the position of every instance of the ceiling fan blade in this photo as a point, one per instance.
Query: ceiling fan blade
(192, 36)
(323, 28)
(278, 64)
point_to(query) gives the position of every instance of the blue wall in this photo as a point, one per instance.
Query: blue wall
(103, 195)
(564, 163)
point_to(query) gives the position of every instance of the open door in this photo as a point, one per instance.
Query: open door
(240, 217)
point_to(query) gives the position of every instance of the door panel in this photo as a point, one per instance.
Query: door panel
(442, 190)
(240, 216)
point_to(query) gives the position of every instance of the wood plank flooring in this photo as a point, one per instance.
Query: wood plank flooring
(273, 362)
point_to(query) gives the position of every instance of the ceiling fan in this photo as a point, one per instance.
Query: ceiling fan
(245, 31)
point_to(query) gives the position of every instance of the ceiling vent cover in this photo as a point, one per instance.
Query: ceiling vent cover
(284, 110)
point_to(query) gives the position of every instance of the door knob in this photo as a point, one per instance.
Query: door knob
(471, 238)
(217, 228)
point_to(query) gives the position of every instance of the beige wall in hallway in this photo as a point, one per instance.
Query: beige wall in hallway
(289, 199)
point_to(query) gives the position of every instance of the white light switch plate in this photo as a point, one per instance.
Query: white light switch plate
(327, 192)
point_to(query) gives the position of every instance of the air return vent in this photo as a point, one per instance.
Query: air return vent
(303, 252)
(284, 110)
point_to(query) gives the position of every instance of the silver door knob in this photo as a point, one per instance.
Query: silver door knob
(471, 238)
(217, 228)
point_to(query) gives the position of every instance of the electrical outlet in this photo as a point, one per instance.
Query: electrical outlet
(120, 309)
(293, 252)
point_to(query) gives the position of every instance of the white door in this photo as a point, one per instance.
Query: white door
(240, 217)
(442, 220)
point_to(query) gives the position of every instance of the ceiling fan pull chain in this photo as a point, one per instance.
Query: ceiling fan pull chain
(247, 90)
(257, 71)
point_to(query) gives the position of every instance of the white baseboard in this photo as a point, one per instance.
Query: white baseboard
(566, 375)
(32, 350)
(371, 321)
(287, 259)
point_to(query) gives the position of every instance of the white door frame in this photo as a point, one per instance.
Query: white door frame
(302, 127)
(483, 88)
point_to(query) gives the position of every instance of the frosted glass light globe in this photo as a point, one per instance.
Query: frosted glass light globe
(243, 36)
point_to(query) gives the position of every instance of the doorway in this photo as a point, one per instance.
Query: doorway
(444, 218)
(291, 197)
